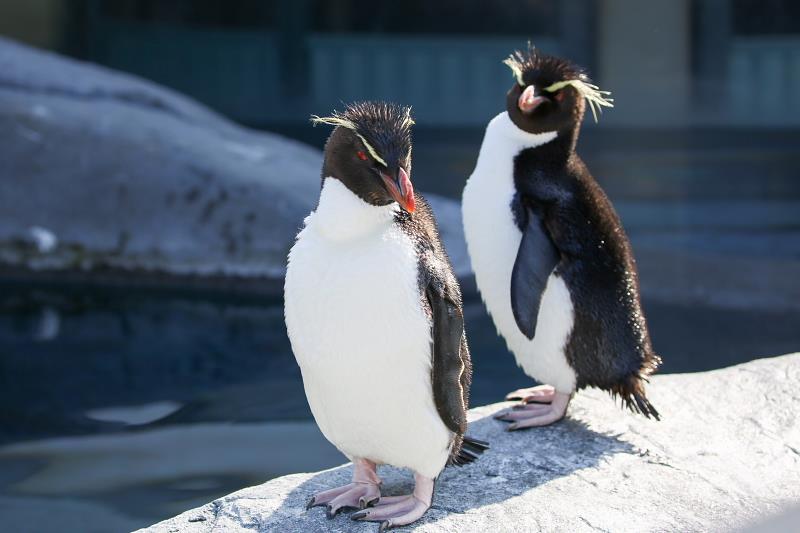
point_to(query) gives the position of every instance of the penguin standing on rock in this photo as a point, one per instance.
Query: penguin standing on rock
(374, 316)
(551, 259)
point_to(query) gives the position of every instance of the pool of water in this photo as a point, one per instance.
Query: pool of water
(121, 408)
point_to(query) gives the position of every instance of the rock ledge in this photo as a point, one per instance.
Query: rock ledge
(726, 453)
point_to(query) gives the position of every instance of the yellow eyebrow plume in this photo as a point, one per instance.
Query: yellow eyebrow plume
(372, 151)
(515, 65)
(596, 98)
(336, 120)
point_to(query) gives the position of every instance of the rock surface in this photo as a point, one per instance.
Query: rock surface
(104, 172)
(726, 453)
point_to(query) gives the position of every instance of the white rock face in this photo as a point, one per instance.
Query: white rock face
(726, 454)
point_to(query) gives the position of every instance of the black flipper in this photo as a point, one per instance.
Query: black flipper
(448, 366)
(536, 258)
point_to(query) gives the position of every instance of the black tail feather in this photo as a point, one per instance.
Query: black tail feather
(631, 392)
(643, 406)
(475, 445)
(469, 451)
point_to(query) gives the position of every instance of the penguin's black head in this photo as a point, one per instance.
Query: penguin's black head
(549, 93)
(370, 152)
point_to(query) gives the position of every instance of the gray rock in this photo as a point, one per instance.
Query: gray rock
(119, 174)
(33, 71)
(726, 453)
(102, 171)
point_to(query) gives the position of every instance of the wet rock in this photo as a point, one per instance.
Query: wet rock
(726, 453)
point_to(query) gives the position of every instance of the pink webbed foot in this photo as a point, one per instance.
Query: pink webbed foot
(395, 511)
(533, 412)
(361, 493)
(538, 394)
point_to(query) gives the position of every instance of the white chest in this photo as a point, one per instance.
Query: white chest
(493, 241)
(362, 339)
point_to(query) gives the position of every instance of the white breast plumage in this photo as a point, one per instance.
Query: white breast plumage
(493, 240)
(360, 334)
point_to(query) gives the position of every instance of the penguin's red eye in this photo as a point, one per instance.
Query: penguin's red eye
(361, 155)
(559, 96)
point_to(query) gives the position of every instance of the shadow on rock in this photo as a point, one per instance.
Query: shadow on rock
(515, 463)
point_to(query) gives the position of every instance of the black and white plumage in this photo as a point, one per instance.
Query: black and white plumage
(550, 256)
(374, 316)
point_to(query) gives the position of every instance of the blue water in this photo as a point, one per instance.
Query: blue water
(142, 404)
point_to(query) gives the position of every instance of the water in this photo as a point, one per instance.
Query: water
(121, 408)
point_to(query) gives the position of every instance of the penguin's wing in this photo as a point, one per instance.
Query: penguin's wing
(449, 364)
(536, 258)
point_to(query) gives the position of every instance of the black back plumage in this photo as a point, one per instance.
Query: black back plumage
(440, 295)
(610, 345)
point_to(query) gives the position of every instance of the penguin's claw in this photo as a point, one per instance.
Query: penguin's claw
(522, 411)
(362, 492)
(326, 496)
(534, 415)
(363, 503)
(394, 511)
(538, 394)
(352, 496)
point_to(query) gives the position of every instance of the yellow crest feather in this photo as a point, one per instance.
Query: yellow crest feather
(372, 151)
(514, 64)
(333, 120)
(596, 98)
(336, 120)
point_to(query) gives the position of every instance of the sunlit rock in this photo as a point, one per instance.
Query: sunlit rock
(724, 457)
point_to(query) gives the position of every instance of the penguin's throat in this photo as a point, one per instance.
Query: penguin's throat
(503, 127)
(341, 215)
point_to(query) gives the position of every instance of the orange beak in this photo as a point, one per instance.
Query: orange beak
(528, 100)
(401, 189)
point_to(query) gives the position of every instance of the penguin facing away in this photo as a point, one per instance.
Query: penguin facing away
(374, 316)
(551, 259)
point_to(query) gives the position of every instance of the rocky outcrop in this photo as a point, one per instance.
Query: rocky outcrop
(726, 453)
(107, 174)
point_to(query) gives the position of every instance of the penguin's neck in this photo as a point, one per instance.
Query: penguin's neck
(504, 130)
(341, 215)
(553, 148)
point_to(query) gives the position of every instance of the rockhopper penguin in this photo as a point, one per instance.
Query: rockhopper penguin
(374, 316)
(551, 259)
